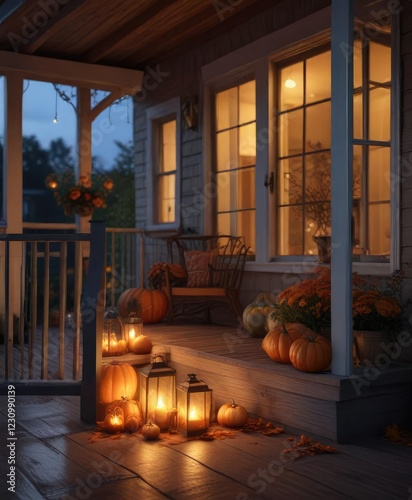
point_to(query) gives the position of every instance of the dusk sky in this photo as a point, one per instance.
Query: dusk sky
(39, 105)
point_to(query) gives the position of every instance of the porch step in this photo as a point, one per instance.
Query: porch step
(333, 407)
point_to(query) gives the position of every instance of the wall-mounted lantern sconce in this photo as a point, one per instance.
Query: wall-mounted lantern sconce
(190, 113)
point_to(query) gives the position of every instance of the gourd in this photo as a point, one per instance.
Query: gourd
(272, 321)
(142, 345)
(151, 431)
(277, 342)
(114, 421)
(132, 423)
(118, 380)
(150, 305)
(232, 415)
(255, 314)
(311, 353)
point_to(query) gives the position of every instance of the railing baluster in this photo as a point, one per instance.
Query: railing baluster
(62, 305)
(46, 306)
(78, 270)
(22, 313)
(33, 315)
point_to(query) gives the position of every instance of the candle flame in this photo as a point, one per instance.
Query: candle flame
(160, 403)
(193, 415)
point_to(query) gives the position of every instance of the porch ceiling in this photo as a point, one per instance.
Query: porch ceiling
(128, 34)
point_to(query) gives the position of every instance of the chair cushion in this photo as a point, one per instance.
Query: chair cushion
(197, 266)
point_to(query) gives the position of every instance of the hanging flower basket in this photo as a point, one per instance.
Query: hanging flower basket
(82, 196)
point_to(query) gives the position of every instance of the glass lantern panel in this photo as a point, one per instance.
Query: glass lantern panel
(198, 414)
(113, 341)
(182, 410)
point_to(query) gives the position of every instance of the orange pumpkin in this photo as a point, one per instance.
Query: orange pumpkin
(232, 415)
(311, 353)
(150, 305)
(277, 342)
(130, 407)
(142, 345)
(118, 380)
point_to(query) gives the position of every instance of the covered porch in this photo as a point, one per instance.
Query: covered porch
(339, 405)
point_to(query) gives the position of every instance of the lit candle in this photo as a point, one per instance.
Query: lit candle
(195, 421)
(160, 415)
(132, 335)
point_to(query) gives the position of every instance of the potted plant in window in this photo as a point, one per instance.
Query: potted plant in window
(314, 194)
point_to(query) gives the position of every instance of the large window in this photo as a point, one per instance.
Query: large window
(303, 151)
(235, 161)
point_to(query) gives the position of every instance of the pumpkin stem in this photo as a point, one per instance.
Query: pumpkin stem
(233, 404)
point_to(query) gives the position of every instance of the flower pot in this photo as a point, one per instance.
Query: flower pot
(324, 248)
(368, 348)
(84, 211)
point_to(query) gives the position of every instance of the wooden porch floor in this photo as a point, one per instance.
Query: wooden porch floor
(56, 458)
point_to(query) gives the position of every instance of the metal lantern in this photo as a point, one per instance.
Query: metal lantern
(157, 392)
(113, 339)
(133, 328)
(194, 402)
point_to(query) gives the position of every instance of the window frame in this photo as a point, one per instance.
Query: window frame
(155, 117)
(259, 58)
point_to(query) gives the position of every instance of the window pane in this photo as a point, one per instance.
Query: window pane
(246, 227)
(380, 63)
(290, 181)
(166, 198)
(247, 102)
(379, 114)
(168, 162)
(357, 64)
(379, 174)
(227, 150)
(318, 88)
(357, 172)
(224, 182)
(223, 223)
(290, 231)
(317, 191)
(291, 86)
(358, 116)
(291, 133)
(247, 145)
(318, 126)
(379, 241)
(226, 109)
(246, 188)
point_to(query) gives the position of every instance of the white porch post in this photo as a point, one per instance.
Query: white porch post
(342, 175)
(13, 157)
(84, 144)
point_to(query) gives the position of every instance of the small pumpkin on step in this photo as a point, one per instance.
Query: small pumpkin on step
(232, 415)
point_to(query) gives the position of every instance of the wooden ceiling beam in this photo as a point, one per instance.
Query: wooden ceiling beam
(110, 44)
(179, 37)
(55, 23)
(92, 76)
